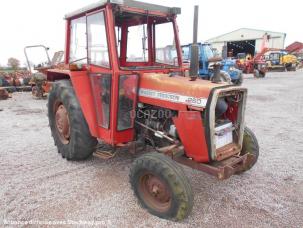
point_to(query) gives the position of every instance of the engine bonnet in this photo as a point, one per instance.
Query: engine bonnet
(160, 89)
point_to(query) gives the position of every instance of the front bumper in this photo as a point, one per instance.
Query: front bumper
(223, 169)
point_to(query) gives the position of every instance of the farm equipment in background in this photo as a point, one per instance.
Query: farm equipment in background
(3, 94)
(251, 65)
(236, 75)
(300, 60)
(279, 60)
(104, 96)
(296, 49)
(168, 54)
(14, 81)
(38, 82)
(208, 60)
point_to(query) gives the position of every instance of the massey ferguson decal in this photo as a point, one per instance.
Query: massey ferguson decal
(173, 97)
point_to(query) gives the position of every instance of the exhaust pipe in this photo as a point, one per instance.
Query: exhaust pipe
(194, 59)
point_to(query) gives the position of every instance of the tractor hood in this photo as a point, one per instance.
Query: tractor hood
(174, 92)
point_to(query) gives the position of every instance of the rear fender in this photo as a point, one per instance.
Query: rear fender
(84, 92)
(82, 87)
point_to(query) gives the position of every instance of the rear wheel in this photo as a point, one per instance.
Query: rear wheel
(250, 146)
(161, 186)
(68, 125)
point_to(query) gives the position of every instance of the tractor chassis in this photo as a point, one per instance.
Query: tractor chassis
(220, 169)
(223, 169)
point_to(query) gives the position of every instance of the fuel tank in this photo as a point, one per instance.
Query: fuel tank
(175, 92)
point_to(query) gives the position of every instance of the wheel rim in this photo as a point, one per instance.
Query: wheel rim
(155, 192)
(62, 124)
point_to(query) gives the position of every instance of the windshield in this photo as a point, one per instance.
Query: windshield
(166, 51)
(137, 50)
(145, 41)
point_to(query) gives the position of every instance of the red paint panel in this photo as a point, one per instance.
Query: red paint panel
(191, 132)
(82, 87)
(67, 42)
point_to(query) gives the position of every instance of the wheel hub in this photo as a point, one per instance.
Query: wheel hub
(155, 192)
(62, 124)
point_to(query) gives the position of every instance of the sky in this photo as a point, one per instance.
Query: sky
(33, 22)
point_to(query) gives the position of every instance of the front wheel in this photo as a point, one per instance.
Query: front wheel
(250, 146)
(161, 186)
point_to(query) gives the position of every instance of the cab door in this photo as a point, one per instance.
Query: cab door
(100, 71)
(115, 93)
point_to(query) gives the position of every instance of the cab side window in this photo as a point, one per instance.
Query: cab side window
(97, 40)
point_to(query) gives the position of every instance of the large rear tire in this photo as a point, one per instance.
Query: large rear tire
(68, 125)
(161, 186)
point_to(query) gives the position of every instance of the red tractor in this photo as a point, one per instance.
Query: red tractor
(252, 65)
(117, 90)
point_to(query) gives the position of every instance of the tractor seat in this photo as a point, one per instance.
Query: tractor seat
(214, 59)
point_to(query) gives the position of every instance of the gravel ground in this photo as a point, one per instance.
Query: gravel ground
(36, 184)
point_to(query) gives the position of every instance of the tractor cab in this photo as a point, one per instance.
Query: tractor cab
(121, 38)
(115, 44)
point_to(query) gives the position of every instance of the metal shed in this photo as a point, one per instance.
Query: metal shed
(246, 40)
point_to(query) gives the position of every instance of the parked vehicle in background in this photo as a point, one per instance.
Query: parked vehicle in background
(296, 49)
(280, 60)
(251, 65)
(236, 75)
(38, 62)
(207, 60)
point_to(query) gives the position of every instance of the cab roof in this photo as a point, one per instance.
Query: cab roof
(127, 3)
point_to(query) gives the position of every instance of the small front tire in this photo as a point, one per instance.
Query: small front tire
(161, 186)
(250, 146)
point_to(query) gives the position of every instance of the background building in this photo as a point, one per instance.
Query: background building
(294, 48)
(249, 41)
